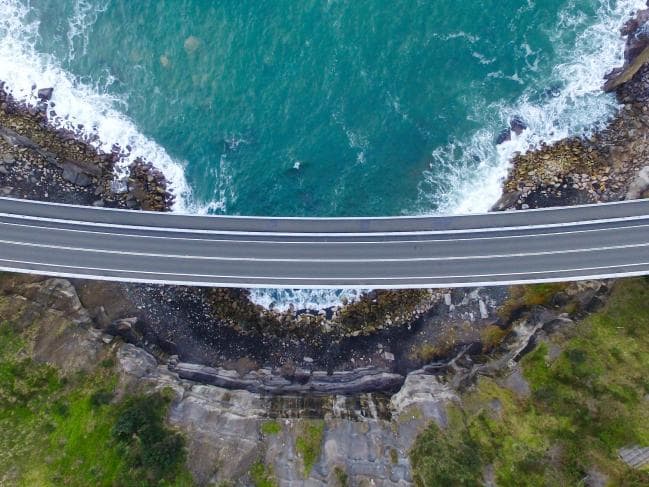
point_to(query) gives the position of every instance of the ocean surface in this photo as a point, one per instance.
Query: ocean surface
(319, 107)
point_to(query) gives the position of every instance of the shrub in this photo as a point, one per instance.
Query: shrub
(440, 460)
(491, 337)
(100, 398)
(149, 444)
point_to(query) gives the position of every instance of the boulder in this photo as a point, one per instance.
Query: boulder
(79, 173)
(45, 94)
(639, 185)
(75, 175)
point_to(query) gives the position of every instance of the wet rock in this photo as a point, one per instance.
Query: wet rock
(75, 175)
(630, 71)
(503, 137)
(45, 94)
(517, 125)
(507, 201)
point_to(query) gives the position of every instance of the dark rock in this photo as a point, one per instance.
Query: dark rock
(75, 175)
(516, 125)
(358, 381)
(507, 201)
(101, 318)
(125, 328)
(16, 140)
(45, 94)
(633, 24)
(504, 136)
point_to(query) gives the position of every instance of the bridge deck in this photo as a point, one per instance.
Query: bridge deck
(593, 241)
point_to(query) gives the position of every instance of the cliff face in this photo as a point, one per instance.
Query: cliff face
(237, 434)
(229, 431)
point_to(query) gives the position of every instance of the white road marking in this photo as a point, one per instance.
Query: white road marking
(255, 259)
(327, 234)
(637, 202)
(338, 242)
(600, 275)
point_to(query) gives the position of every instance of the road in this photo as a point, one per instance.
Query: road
(573, 243)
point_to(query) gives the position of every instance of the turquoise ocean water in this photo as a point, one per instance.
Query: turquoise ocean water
(319, 107)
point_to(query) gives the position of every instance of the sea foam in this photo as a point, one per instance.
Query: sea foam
(466, 175)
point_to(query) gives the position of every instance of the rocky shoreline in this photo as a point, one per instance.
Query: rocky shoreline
(43, 162)
(610, 164)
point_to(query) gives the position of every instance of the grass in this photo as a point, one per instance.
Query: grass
(63, 431)
(425, 352)
(491, 337)
(585, 405)
(270, 428)
(342, 479)
(309, 443)
(262, 475)
(440, 459)
(526, 297)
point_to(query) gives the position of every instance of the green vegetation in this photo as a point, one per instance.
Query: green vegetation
(369, 314)
(57, 430)
(585, 404)
(342, 479)
(525, 297)
(308, 444)
(394, 456)
(152, 450)
(449, 460)
(491, 337)
(262, 476)
(270, 428)
(426, 352)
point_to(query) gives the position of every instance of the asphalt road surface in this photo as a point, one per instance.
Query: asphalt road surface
(573, 243)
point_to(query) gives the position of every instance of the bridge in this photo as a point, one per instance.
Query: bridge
(547, 245)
